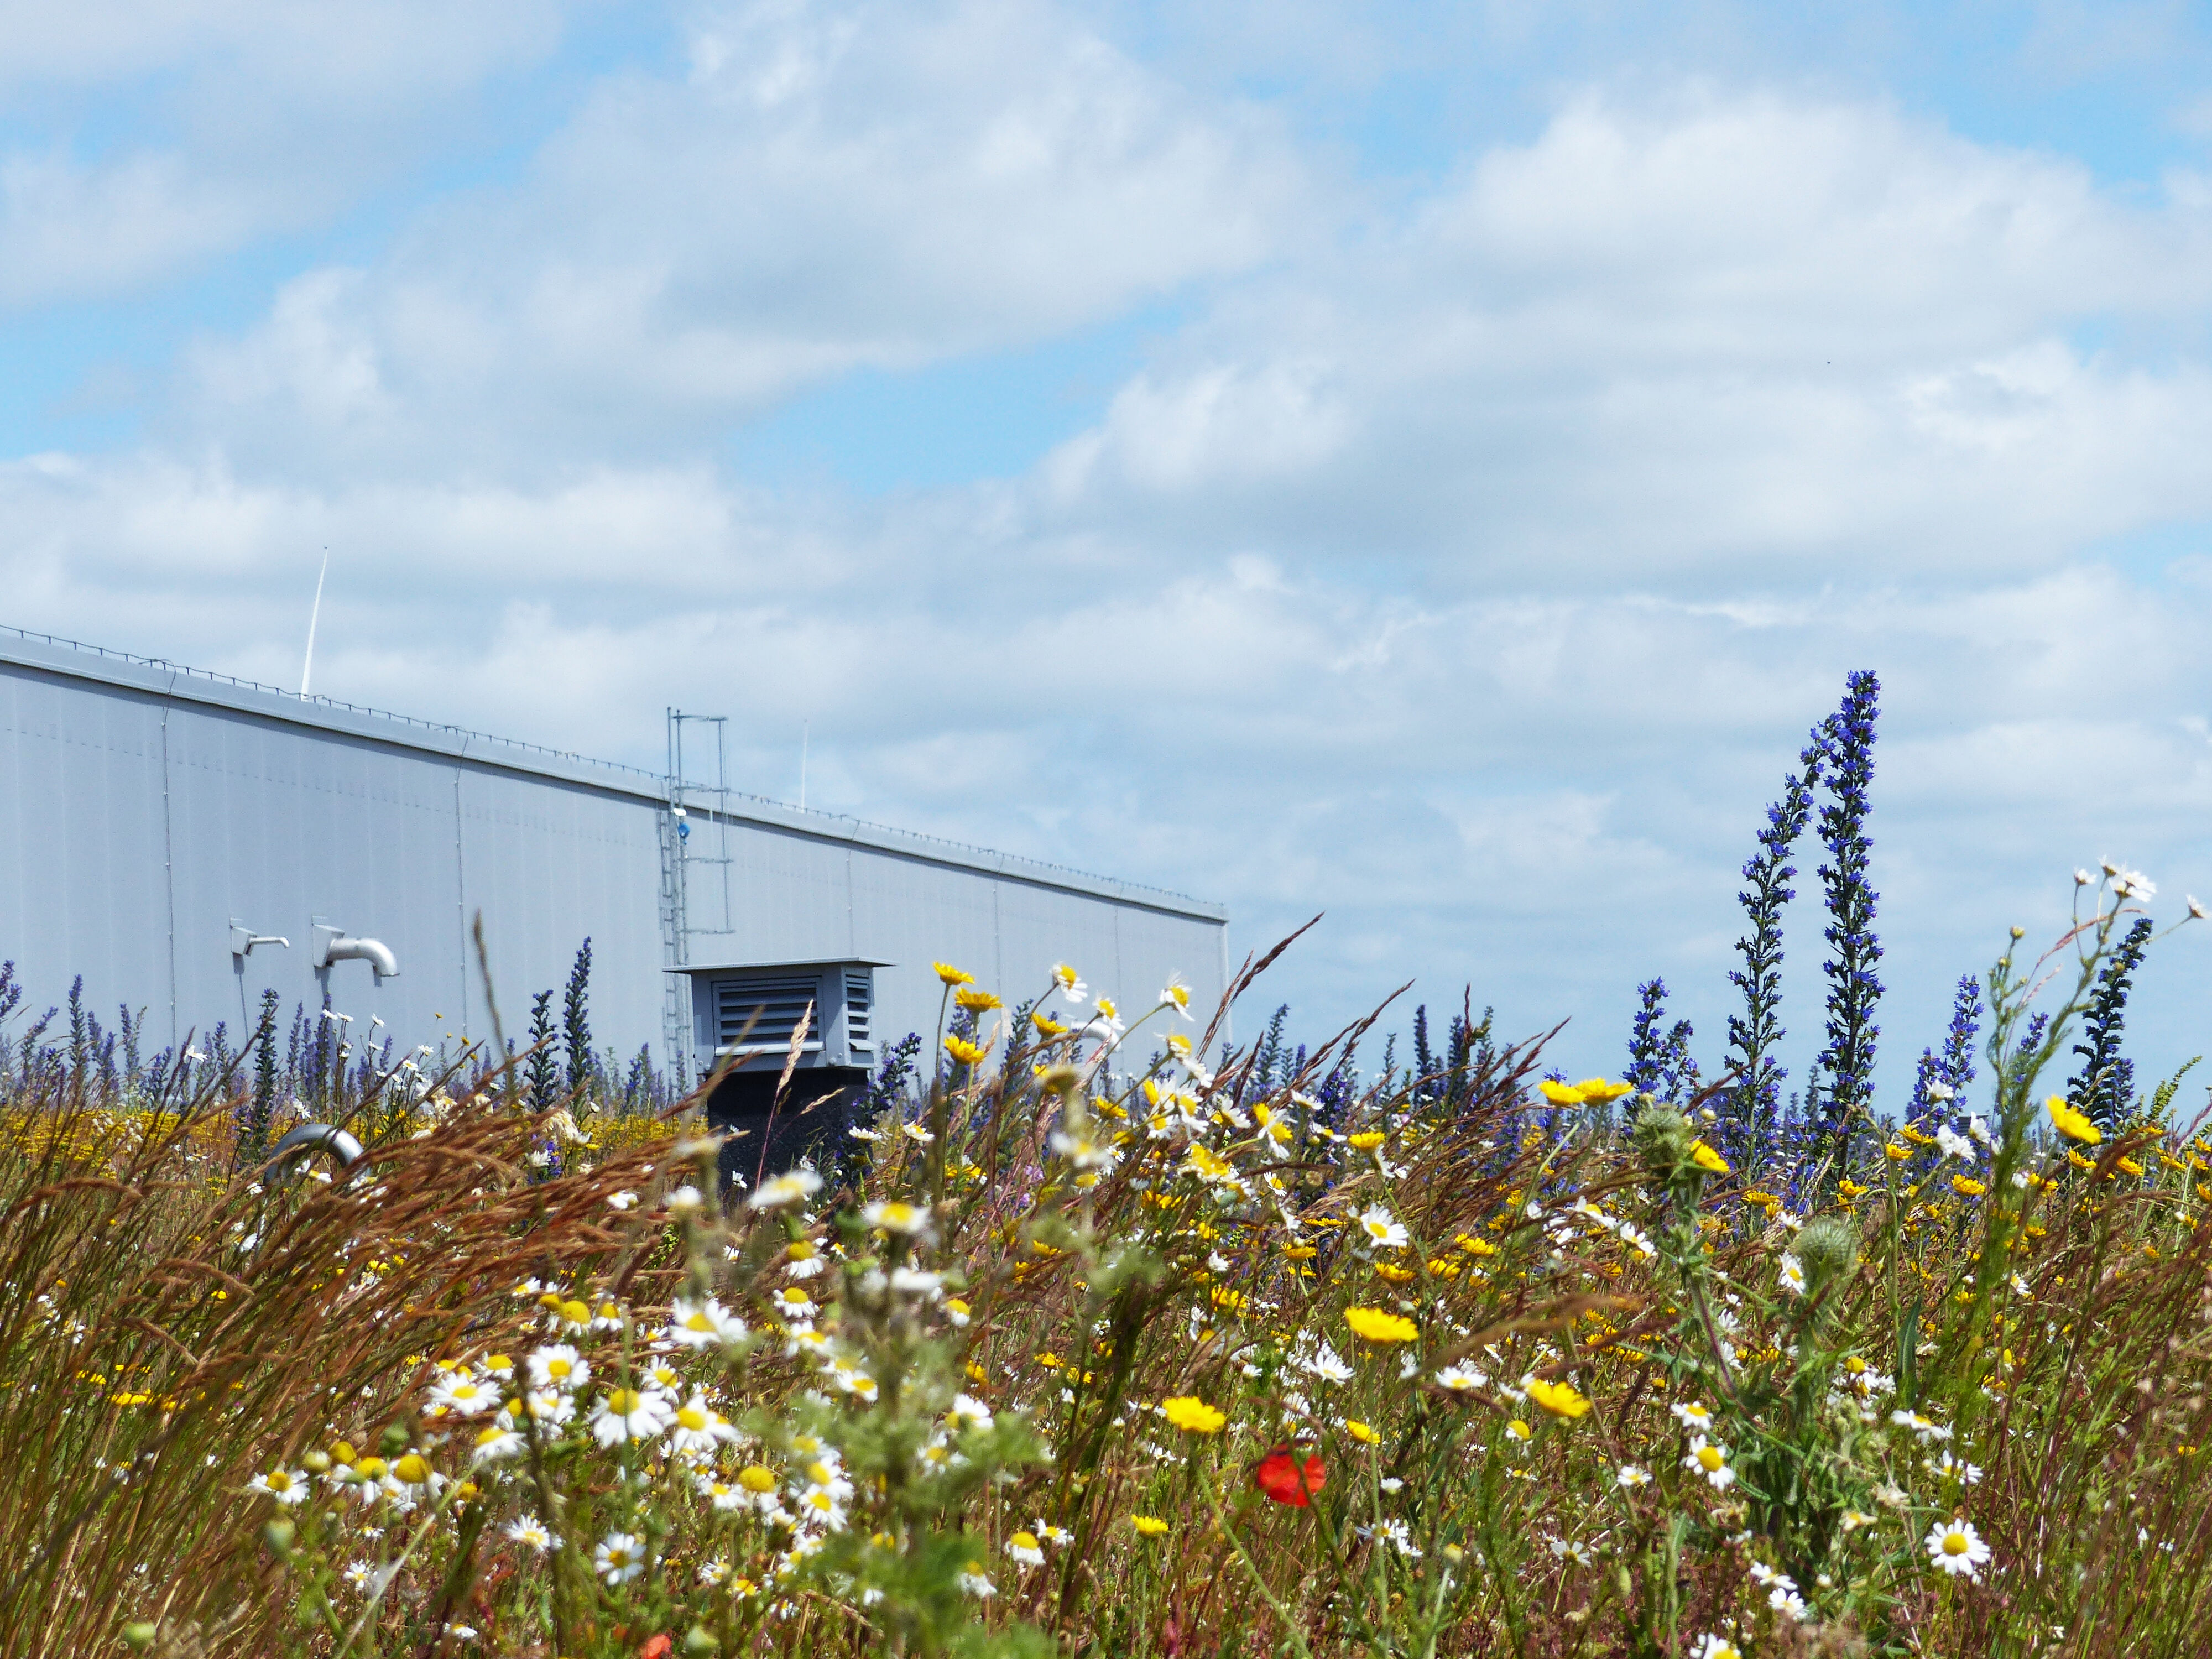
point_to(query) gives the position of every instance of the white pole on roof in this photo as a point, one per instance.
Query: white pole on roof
(308, 668)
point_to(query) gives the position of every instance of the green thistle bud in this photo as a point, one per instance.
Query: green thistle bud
(1827, 1249)
(138, 1634)
(1663, 1137)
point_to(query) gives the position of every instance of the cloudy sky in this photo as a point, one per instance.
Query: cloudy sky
(1427, 465)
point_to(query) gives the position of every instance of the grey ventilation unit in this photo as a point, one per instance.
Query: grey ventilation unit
(744, 1014)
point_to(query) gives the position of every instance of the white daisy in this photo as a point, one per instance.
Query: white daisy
(463, 1394)
(784, 1190)
(700, 1428)
(558, 1366)
(286, 1486)
(1381, 1228)
(1710, 1460)
(702, 1324)
(619, 1557)
(630, 1414)
(1692, 1414)
(1956, 1547)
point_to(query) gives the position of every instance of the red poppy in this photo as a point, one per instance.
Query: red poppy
(658, 1647)
(1288, 1478)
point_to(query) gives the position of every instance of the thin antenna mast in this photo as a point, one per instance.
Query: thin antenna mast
(308, 668)
(803, 728)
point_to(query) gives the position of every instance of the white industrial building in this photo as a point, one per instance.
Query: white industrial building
(184, 840)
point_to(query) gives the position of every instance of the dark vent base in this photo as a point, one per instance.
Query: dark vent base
(819, 1108)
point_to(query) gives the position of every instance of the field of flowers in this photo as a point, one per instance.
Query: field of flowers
(1105, 1338)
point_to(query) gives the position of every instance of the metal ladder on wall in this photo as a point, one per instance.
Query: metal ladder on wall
(678, 832)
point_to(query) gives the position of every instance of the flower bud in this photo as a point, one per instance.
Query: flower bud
(316, 1461)
(700, 1641)
(278, 1535)
(138, 1634)
(1663, 1135)
(1828, 1251)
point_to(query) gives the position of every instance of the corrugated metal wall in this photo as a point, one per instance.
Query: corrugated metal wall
(142, 808)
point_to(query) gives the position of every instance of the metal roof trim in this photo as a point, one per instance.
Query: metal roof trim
(757, 967)
(158, 677)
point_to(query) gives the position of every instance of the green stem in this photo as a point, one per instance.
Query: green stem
(1221, 1525)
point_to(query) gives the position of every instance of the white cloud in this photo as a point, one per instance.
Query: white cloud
(300, 56)
(208, 126)
(830, 188)
(73, 231)
(1732, 338)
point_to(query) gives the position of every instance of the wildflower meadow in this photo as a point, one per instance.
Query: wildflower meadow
(1097, 1334)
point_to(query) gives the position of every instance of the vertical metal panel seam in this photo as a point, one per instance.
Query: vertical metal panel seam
(461, 901)
(169, 853)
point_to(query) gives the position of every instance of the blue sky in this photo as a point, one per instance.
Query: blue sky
(1429, 465)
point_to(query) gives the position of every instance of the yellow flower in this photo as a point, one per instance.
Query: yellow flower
(1559, 1094)
(1207, 1165)
(1706, 1158)
(966, 1053)
(1359, 1431)
(952, 976)
(1150, 1525)
(1190, 1412)
(2078, 1161)
(975, 1002)
(2128, 1166)
(1367, 1140)
(2070, 1123)
(1966, 1187)
(1896, 1152)
(1596, 1092)
(1558, 1398)
(1397, 1276)
(1517, 1430)
(1374, 1325)
(1046, 1025)
(757, 1478)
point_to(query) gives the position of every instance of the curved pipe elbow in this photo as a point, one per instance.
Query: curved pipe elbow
(374, 952)
(312, 1137)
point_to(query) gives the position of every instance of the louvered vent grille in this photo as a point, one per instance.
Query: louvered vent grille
(858, 994)
(769, 1007)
